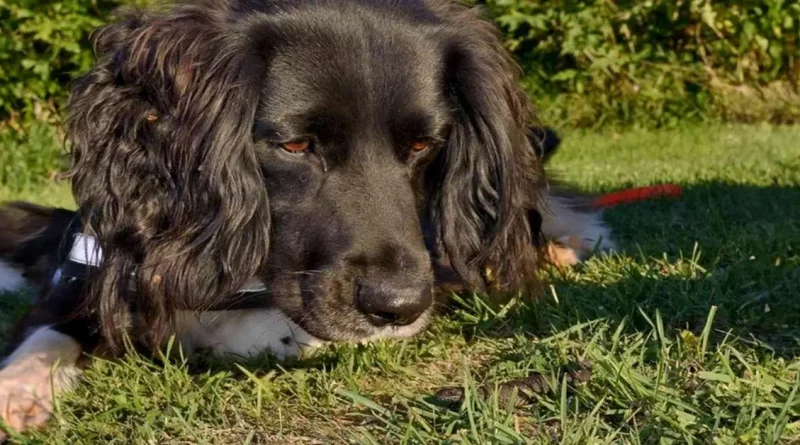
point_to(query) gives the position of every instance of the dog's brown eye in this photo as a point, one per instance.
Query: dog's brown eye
(297, 146)
(420, 145)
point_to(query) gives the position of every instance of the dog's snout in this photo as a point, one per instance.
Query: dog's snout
(384, 304)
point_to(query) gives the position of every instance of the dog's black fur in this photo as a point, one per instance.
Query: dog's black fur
(180, 168)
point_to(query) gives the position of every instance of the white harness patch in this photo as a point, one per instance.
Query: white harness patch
(87, 251)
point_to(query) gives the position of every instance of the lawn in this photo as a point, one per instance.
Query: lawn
(691, 330)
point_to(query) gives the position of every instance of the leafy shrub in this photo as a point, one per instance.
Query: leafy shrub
(656, 61)
(587, 63)
(43, 43)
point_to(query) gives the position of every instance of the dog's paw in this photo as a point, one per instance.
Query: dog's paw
(571, 250)
(561, 255)
(567, 252)
(42, 367)
(26, 394)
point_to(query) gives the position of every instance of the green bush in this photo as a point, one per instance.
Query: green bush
(588, 63)
(655, 62)
(43, 43)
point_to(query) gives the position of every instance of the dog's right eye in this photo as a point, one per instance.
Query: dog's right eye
(297, 147)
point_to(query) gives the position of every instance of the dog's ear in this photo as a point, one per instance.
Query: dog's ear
(484, 183)
(164, 169)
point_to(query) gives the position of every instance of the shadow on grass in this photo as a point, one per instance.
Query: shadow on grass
(729, 221)
(734, 247)
(749, 267)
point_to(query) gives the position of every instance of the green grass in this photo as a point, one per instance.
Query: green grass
(692, 330)
(28, 156)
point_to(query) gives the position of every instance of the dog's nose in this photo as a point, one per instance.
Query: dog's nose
(389, 305)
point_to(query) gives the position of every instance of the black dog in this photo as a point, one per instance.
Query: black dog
(267, 175)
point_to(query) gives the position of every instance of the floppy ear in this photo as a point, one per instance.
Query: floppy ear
(485, 181)
(164, 169)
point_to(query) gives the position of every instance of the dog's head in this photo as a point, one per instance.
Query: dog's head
(305, 143)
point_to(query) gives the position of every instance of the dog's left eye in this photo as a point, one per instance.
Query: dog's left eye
(420, 145)
(298, 146)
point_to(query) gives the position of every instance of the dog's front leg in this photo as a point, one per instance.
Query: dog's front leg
(43, 365)
(43, 356)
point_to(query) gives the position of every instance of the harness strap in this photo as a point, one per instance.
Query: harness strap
(86, 254)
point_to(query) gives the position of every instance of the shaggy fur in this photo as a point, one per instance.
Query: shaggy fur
(174, 134)
(415, 164)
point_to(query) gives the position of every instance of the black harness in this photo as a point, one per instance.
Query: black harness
(85, 255)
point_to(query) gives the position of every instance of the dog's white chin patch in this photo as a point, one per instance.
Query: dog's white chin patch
(248, 333)
(244, 333)
(11, 280)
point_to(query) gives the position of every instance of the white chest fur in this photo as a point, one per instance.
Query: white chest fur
(244, 333)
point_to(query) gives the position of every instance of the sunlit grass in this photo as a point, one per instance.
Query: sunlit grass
(691, 329)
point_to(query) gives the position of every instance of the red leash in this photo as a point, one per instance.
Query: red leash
(638, 194)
